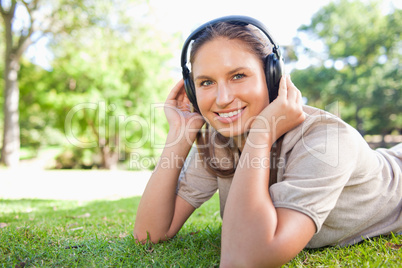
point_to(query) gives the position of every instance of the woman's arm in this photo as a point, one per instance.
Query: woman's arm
(161, 213)
(254, 232)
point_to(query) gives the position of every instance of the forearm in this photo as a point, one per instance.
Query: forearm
(249, 190)
(250, 219)
(156, 209)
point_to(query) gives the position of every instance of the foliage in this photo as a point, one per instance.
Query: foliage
(25, 22)
(109, 62)
(361, 68)
(107, 87)
(38, 115)
(110, 70)
(99, 234)
(103, 91)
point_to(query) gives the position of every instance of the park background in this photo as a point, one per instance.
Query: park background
(82, 123)
(84, 81)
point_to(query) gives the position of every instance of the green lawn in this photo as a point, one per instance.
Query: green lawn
(43, 233)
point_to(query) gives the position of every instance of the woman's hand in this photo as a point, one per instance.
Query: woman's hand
(178, 111)
(283, 114)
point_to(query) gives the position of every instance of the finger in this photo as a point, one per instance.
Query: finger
(183, 100)
(283, 91)
(182, 96)
(299, 99)
(176, 90)
(298, 94)
(292, 90)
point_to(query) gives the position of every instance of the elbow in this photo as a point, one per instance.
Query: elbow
(260, 256)
(144, 237)
(140, 237)
(243, 261)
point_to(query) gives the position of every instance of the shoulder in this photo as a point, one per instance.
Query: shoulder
(321, 126)
(323, 138)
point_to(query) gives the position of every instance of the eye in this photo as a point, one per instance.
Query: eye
(206, 83)
(238, 76)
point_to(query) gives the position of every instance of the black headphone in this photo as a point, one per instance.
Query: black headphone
(273, 62)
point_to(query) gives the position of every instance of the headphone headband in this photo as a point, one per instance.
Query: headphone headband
(233, 19)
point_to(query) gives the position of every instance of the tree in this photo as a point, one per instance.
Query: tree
(14, 50)
(25, 22)
(112, 75)
(104, 81)
(361, 66)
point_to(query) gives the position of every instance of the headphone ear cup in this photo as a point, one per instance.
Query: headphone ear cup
(190, 91)
(273, 73)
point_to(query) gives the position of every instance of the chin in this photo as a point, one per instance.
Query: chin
(230, 132)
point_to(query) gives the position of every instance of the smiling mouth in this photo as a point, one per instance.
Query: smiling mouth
(228, 115)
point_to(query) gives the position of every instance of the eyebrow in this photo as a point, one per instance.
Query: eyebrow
(204, 77)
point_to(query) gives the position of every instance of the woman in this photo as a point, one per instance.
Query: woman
(289, 176)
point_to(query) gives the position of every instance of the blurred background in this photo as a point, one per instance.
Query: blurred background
(84, 81)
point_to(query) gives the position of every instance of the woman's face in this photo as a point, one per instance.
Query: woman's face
(230, 85)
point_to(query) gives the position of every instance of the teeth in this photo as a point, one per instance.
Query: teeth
(230, 114)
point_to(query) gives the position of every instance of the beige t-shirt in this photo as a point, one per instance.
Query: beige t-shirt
(326, 171)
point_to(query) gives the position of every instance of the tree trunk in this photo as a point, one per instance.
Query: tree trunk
(110, 158)
(10, 152)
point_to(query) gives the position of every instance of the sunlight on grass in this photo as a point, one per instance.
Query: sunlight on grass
(30, 205)
(99, 234)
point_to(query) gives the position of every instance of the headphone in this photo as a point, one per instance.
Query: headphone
(273, 62)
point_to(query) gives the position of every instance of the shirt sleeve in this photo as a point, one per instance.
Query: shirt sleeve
(196, 185)
(319, 159)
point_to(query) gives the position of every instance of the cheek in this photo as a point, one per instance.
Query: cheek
(203, 101)
(258, 93)
(261, 97)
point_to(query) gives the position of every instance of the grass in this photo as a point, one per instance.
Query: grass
(51, 233)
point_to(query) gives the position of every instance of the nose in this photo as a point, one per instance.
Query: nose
(224, 95)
